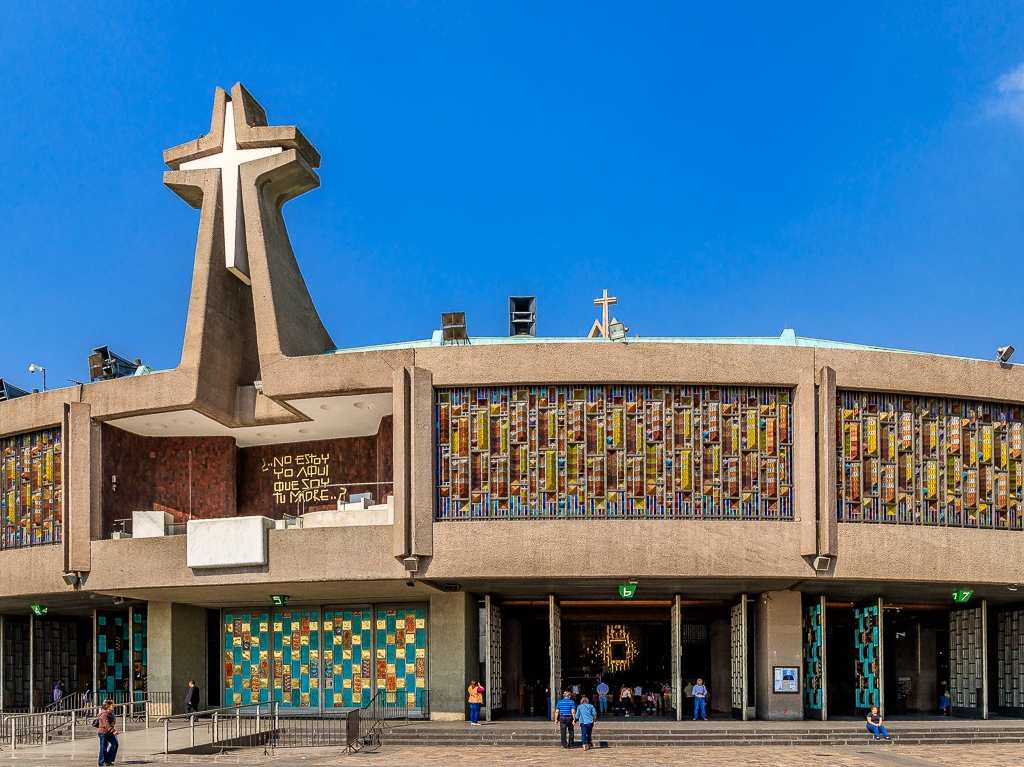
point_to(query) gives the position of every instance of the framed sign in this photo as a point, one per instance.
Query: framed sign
(786, 680)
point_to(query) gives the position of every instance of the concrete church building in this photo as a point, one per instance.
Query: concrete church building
(284, 520)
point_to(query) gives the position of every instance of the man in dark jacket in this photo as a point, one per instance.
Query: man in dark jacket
(191, 697)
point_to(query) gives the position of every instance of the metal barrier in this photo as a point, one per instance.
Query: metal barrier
(265, 724)
(230, 725)
(69, 723)
(21, 730)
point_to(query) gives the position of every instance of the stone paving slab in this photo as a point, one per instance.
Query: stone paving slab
(865, 755)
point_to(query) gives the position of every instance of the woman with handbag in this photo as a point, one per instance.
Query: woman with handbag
(107, 732)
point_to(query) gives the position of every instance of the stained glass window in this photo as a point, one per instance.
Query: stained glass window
(691, 452)
(929, 461)
(30, 488)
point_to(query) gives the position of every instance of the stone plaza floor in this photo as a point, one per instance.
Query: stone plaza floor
(143, 748)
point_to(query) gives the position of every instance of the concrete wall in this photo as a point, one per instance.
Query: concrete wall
(779, 643)
(177, 647)
(453, 653)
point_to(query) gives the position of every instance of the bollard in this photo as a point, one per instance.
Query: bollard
(213, 738)
(46, 727)
(167, 736)
(74, 719)
(192, 730)
(238, 722)
(14, 733)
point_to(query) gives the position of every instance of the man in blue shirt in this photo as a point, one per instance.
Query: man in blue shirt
(700, 694)
(586, 715)
(565, 710)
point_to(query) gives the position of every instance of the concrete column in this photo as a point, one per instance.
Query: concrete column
(400, 404)
(31, 662)
(78, 438)
(453, 654)
(828, 524)
(779, 643)
(421, 452)
(176, 638)
(2, 659)
(804, 476)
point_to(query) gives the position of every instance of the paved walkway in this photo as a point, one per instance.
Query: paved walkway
(419, 756)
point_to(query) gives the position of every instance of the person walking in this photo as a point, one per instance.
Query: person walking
(565, 712)
(475, 694)
(58, 691)
(700, 694)
(626, 699)
(586, 715)
(191, 697)
(875, 726)
(107, 731)
(602, 696)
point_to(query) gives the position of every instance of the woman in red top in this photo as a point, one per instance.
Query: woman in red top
(107, 732)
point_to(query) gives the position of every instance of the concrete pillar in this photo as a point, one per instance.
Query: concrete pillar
(2, 663)
(453, 653)
(828, 525)
(31, 663)
(177, 646)
(81, 496)
(779, 643)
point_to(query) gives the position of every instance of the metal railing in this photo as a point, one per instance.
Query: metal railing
(72, 716)
(38, 729)
(266, 724)
(221, 727)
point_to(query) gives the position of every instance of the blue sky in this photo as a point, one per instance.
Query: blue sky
(854, 172)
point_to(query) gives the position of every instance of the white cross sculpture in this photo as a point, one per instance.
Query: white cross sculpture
(227, 161)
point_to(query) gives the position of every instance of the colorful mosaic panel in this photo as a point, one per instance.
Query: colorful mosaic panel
(929, 461)
(113, 653)
(297, 658)
(401, 649)
(140, 658)
(348, 658)
(247, 659)
(814, 670)
(866, 646)
(30, 489)
(686, 452)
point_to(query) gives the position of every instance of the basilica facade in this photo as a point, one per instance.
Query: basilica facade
(811, 527)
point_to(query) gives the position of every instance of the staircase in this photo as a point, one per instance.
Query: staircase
(519, 734)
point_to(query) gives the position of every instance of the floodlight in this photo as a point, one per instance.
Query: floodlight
(10, 391)
(34, 368)
(616, 330)
(105, 365)
(1003, 353)
(522, 315)
(453, 328)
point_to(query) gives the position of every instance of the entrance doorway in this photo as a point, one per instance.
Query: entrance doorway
(525, 663)
(916, 660)
(624, 645)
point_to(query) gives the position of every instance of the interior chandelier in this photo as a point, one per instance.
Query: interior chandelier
(618, 650)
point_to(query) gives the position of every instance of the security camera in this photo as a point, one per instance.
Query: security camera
(1003, 353)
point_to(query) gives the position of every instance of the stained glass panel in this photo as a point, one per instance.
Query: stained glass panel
(686, 452)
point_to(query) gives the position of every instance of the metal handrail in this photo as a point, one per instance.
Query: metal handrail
(45, 724)
(212, 717)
